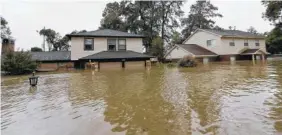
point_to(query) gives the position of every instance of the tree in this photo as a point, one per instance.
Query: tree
(176, 38)
(200, 16)
(16, 63)
(51, 36)
(274, 41)
(5, 29)
(273, 11)
(170, 11)
(274, 14)
(55, 41)
(158, 48)
(112, 16)
(36, 49)
(150, 18)
(252, 30)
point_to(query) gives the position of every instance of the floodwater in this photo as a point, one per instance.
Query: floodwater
(218, 98)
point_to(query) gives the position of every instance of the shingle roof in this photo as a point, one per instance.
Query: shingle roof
(104, 33)
(250, 51)
(234, 33)
(196, 49)
(116, 55)
(51, 56)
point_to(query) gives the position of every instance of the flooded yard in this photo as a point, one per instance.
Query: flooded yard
(219, 98)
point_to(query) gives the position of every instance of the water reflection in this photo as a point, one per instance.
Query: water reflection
(217, 98)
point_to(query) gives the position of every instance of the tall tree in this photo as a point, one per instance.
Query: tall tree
(252, 30)
(5, 29)
(200, 16)
(55, 41)
(150, 18)
(274, 41)
(112, 16)
(170, 12)
(273, 12)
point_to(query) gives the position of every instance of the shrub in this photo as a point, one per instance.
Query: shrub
(187, 61)
(16, 63)
(157, 48)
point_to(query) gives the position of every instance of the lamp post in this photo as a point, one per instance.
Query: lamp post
(33, 79)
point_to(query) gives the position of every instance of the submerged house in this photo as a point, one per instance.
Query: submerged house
(208, 45)
(106, 48)
(48, 61)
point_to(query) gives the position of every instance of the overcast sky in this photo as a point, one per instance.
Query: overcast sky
(25, 17)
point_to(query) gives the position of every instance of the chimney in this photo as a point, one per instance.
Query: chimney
(8, 45)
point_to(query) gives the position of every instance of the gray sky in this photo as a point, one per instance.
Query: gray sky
(27, 16)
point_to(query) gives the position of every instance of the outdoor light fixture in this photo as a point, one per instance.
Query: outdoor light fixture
(33, 79)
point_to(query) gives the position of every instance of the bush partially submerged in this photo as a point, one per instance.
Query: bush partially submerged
(187, 61)
(16, 63)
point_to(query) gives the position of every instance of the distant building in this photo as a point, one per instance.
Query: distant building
(208, 44)
(8, 45)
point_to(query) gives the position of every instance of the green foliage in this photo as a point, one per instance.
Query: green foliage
(5, 30)
(200, 16)
(150, 18)
(176, 38)
(54, 40)
(252, 30)
(274, 41)
(16, 63)
(36, 49)
(273, 11)
(157, 48)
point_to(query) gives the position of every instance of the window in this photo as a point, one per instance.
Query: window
(257, 42)
(121, 44)
(246, 43)
(88, 44)
(112, 44)
(210, 42)
(232, 43)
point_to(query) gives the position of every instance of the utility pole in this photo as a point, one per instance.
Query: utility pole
(44, 38)
(43, 44)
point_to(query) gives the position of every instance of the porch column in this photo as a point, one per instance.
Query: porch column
(253, 58)
(232, 58)
(263, 57)
(205, 60)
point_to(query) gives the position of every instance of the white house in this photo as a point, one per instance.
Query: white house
(108, 48)
(226, 44)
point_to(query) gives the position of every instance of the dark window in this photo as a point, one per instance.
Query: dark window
(246, 43)
(88, 44)
(232, 43)
(257, 42)
(121, 44)
(112, 44)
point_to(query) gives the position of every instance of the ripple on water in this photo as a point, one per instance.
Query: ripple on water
(218, 98)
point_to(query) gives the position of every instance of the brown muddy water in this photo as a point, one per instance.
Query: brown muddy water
(219, 98)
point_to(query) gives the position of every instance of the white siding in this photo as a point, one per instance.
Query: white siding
(134, 44)
(176, 53)
(100, 44)
(200, 38)
(222, 46)
(239, 45)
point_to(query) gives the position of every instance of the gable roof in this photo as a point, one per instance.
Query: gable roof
(252, 51)
(104, 33)
(196, 49)
(234, 33)
(116, 55)
(51, 56)
(228, 33)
